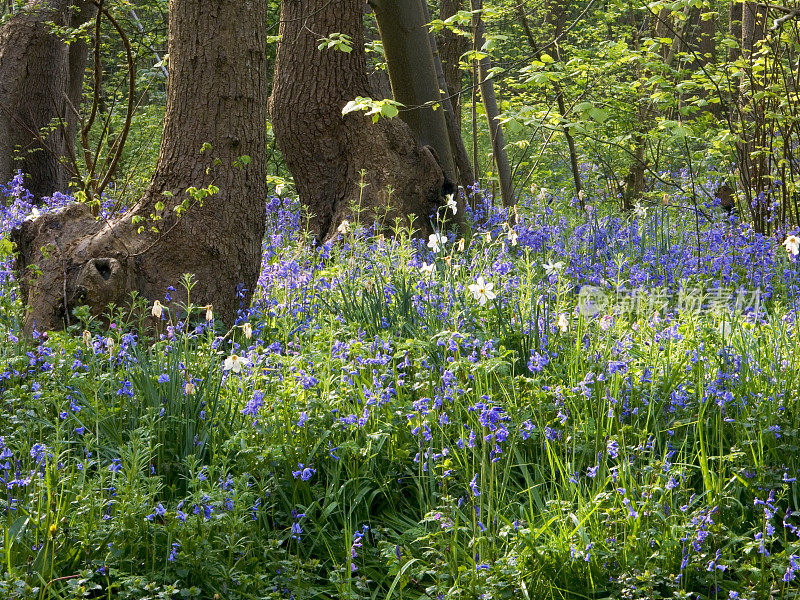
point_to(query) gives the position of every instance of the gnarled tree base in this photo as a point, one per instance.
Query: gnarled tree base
(216, 113)
(327, 152)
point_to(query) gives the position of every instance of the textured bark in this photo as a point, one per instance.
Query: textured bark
(452, 47)
(326, 151)
(216, 95)
(735, 29)
(754, 23)
(466, 176)
(412, 71)
(752, 171)
(40, 76)
(490, 107)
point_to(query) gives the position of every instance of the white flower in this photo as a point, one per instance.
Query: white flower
(551, 268)
(606, 321)
(235, 363)
(563, 324)
(435, 242)
(157, 309)
(209, 313)
(87, 339)
(248, 330)
(426, 269)
(512, 237)
(640, 210)
(451, 203)
(792, 245)
(460, 246)
(189, 388)
(279, 189)
(482, 291)
(344, 227)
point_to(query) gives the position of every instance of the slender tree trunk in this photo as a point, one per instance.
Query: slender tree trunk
(752, 169)
(735, 29)
(378, 78)
(490, 107)
(216, 113)
(412, 71)
(461, 158)
(40, 76)
(452, 46)
(325, 151)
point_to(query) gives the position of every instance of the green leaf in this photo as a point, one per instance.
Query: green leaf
(6, 247)
(598, 114)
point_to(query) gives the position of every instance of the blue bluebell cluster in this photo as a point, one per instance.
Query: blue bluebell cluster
(386, 420)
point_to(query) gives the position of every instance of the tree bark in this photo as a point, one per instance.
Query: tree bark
(463, 166)
(735, 29)
(412, 71)
(215, 114)
(452, 47)
(378, 78)
(325, 151)
(752, 169)
(490, 107)
(40, 76)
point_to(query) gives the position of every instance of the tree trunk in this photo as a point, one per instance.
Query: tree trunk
(735, 29)
(452, 47)
(752, 169)
(490, 107)
(325, 151)
(406, 42)
(216, 113)
(466, 176)
(40, 76)
(379, 82)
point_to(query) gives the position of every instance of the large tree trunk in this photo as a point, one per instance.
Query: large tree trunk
(490, 108)
(412, 71)
(325, 151)
(41, 81)
(216, 96)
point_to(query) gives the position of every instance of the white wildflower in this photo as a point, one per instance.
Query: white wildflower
(451, 203)
(157, 309)
(482, 291)
(553, 268)
(435, 242)
(235, 363)
(563, 323)
(792, 245)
